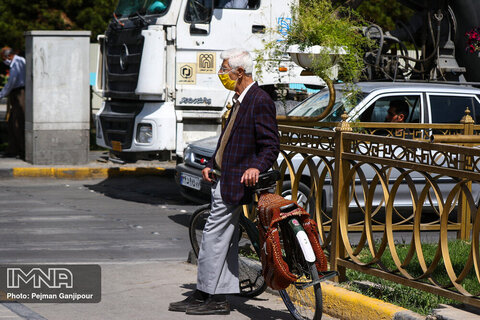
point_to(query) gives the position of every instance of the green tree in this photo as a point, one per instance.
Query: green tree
(18, 16)
(381, 12)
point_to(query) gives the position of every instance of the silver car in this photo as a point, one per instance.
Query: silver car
(428, 103)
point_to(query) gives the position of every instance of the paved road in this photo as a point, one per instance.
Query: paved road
(134, 219)
(135, 228)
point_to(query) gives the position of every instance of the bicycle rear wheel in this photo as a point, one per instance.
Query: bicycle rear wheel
(304, 297)
(250, 277)
(197, 224)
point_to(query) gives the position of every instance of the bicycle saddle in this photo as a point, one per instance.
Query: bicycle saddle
(267, 180)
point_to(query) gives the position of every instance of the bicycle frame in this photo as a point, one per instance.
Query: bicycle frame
(252, 232)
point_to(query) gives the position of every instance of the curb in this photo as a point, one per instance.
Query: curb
(83, 172)
(344, 304)
(455, 312)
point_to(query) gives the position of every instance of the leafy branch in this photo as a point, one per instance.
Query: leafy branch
(317, 22)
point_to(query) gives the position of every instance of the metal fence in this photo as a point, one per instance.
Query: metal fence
(357, 180)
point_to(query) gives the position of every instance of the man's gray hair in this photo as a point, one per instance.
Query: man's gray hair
(238, 58)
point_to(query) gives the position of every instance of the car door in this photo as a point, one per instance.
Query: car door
(376, 110)
(450, 108)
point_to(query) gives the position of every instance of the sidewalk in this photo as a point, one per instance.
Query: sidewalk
(143, 291)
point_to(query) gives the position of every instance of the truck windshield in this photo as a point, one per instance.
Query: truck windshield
(127, 8)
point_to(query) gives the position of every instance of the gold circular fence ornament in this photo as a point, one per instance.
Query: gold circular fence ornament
(343, 220)
(455, 281)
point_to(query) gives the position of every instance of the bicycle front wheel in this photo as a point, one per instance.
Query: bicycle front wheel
(250, 277)
(304, 297)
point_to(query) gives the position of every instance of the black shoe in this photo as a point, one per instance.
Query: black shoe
(181, 306)
(209, 307)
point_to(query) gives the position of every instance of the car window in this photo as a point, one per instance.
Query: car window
(451, 109)
(288, 95)
(313, 106)
(317, 103)
(377, 111)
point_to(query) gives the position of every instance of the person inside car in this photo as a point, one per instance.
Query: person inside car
(398, 111)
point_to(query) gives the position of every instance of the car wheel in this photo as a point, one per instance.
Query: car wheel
(303, 196)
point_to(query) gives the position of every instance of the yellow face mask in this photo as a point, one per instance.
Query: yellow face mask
(228, 83)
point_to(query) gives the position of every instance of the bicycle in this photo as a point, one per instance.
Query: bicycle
(303, 298)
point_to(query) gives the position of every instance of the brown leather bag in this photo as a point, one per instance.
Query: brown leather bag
(276, 272)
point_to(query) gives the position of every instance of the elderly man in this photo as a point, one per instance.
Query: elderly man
(15, 90)
(248, 145)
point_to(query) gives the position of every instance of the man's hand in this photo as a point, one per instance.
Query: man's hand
(206, 174)
(250, 177)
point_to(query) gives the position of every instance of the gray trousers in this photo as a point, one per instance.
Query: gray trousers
(218, 257)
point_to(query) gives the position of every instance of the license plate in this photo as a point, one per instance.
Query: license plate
(190, 181)
(116, 145)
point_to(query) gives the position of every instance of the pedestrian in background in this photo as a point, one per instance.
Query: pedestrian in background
(15, 91)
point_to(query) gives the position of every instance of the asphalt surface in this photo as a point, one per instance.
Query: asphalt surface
(135, 228)
(129, 219)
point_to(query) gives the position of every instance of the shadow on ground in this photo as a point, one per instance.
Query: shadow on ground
(144, 189)
(183, 219)
(249, 307)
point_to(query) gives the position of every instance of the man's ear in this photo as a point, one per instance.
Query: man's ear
(401, 117)
(241, 71)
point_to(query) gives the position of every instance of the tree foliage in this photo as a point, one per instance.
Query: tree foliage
(18, 16)
(381, 12)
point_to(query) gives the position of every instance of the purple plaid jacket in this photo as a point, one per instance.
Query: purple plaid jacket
(253, 143)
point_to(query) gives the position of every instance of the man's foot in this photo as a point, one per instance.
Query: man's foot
(209, 307)
(196, 298)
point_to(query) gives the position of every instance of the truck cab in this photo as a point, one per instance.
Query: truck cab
(158, 63)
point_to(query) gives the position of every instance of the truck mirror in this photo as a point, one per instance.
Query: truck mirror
(199, 11)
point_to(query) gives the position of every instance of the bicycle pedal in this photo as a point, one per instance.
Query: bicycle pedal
(327, 275)
(244, 285)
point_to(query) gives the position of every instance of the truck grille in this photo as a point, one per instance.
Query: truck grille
(122, 82)
(118, 121)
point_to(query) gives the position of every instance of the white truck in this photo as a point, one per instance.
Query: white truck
(158, 64)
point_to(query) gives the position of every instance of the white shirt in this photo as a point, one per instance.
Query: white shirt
(244, 92)
(17, 76)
